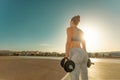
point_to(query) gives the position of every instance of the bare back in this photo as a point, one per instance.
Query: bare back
(76, 37)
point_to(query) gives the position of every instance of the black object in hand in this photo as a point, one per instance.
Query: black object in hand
(89, 63)
(67, 64)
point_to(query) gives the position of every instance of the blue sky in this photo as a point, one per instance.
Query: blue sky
(41, 24)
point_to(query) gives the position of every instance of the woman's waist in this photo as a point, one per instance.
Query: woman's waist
(75, 45)
(77, 51)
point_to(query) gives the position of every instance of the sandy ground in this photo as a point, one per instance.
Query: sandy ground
(30, 69)
(17, 68)
(105, 71)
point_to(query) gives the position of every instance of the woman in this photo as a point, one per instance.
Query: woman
(76, 50)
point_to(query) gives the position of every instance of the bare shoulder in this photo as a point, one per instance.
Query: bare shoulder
(80, 31)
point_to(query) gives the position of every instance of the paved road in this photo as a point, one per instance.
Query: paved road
(104, 69)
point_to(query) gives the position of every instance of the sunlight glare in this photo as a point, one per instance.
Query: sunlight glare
(92, 38)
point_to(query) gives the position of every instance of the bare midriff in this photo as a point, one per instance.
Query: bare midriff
(75, 44)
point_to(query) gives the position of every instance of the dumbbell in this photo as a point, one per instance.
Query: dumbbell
(89, 63)
(67, 64)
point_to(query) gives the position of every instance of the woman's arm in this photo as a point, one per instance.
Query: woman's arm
(84, 44)
(68, 43)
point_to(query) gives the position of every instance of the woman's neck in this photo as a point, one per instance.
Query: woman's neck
(73, 26)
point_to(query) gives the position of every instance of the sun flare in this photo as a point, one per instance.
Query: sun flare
(92, 38)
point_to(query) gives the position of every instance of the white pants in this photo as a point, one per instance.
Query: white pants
(80, 59)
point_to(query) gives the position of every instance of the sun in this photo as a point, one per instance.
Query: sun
(92, 38)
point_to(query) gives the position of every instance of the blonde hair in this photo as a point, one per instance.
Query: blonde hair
(76, 19)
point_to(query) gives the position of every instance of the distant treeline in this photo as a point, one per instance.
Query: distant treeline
(56, 54)
(29, 53)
